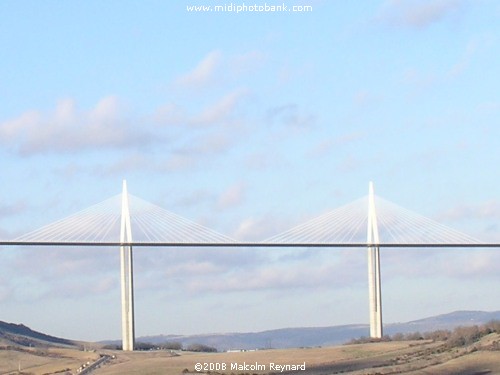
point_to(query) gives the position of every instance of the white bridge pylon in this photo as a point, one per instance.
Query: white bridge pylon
(127, 276)
(126, 221)
(374, 279)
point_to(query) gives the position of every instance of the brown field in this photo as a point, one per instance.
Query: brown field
(43, 361)
(407, 357)
(417, 357)
(157, 363)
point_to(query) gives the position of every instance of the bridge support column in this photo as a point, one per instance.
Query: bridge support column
(374, 279)
(127, 280)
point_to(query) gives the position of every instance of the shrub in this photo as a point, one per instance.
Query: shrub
(201, 348)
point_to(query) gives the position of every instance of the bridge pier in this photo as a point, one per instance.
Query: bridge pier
(127, 279)
(374, 279)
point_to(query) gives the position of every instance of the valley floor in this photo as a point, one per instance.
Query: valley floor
(405, 357)
(417, 357)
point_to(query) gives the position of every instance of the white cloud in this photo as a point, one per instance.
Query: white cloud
(246, 63)
(5, 290)
(203, 73)
(484, 210)
(349, 164)
(195, 151)
(418, 79)
(418, 13)
(178, 162)
(251, 229)
(220, 111)
(67, 130)
(450, 263)
(264, 160)
(216, 68)
(169, 114)
(260, 228)
(232, 197)
(365, 98)
(60, 272)
(194, 198)
(328, 146)
(7, 210)
(308, 273)
(471, 49)
(194, 267)
(290, 116)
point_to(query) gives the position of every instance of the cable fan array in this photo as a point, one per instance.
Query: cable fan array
(151, 224)
(346, 224)
(96, 224)
(396, 225)
(100, 224)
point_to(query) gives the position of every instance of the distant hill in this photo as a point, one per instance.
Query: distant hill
(444, 321)
(20, 335)
(322, 336)
(278, 338)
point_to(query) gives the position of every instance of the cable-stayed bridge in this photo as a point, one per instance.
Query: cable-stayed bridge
(126, 221)
(151, 225)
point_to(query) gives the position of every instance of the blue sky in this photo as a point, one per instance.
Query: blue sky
(248, 123)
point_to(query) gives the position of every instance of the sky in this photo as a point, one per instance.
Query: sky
(248, 123)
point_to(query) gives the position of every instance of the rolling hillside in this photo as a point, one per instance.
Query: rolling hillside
(20, 335)
(323, 336)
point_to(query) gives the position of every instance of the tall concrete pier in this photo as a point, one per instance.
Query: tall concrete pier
(375, 294)
(127, 280)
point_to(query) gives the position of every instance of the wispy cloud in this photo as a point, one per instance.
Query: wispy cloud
(290, 116)
(221, 110)
(67, 130)
(195, 198)
(426, 263)
(180, 155)
(365, 98)
(264, 159)
(203, 73)
(328, 146)
(5, 291)
(260, 228)
(484, 210)
(7, 210)
(470, 51)
(232, 196)
(50, 273)
(216, 68)
(308, 273)
(418, 14)
(246, 63)
(169, 114)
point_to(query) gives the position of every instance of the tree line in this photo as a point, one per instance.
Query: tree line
(174, 345)
(460, 336)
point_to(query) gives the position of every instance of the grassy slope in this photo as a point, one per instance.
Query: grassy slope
(340, 357)
(43, 361)
(19, 334)
(381, 358)
(415, 358)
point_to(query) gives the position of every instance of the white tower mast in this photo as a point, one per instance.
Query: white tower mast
(375, 295)
(127, 281)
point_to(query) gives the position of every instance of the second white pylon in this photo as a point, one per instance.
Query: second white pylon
(127, 279)
(374, 287)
